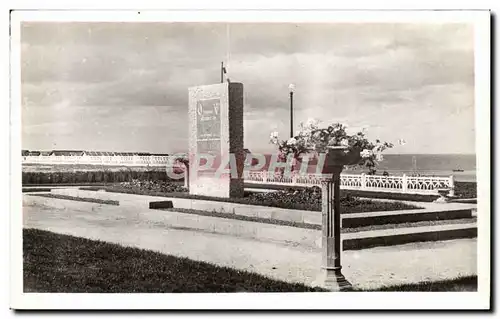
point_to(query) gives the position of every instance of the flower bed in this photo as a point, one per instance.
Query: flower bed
(466, 189)
(303, 199)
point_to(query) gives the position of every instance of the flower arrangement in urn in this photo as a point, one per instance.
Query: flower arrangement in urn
(334, 141)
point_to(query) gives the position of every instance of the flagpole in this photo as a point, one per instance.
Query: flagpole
(222, 72)
(228, 49)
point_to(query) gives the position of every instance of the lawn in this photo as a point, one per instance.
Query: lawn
(460, 284)
(61, 263)
(301, 199)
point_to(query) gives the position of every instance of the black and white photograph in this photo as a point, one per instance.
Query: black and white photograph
(306, 154)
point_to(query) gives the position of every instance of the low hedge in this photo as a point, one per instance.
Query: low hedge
(466, 189)
(35, 190)
(101, 176)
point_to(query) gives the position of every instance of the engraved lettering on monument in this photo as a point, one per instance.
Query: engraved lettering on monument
(208, 126)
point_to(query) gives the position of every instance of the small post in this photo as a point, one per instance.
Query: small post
(405, 183)
(451, 185)
(264, 176)
(331, 245)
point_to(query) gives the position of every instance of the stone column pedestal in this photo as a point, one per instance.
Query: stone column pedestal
(331, 276)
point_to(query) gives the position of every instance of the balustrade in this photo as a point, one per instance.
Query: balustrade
(399, 184)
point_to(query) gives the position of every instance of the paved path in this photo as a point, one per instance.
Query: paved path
(369, 268)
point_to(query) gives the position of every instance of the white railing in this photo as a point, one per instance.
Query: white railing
(102, 160)
(393, 184)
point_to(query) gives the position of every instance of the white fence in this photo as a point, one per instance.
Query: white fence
(102, 160)
(393, 184)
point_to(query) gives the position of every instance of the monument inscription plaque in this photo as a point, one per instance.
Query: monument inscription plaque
(208, 126)
(216, 130)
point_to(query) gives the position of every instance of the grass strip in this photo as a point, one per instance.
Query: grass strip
(318, 227)
(242, 217)
(64, 264)
(459, 284)
(411, 224)
(35, 190)
(81, 199)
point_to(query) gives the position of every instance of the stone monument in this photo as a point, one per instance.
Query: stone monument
(216, 132)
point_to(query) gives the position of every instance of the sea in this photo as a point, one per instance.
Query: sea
(461, 166)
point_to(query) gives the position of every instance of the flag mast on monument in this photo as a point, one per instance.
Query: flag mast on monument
(223, 72)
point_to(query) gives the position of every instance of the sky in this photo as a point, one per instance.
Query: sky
(124, 86)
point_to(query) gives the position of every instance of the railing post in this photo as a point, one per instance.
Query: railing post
(363, 181)
(186, 176)
(405, 183)
(451, 185)
(264, 176)
(294, 178)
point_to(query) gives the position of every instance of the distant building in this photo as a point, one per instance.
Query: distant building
(87, 153)
(125, 153)
(159, 154)
(66, 153)
(98, 153)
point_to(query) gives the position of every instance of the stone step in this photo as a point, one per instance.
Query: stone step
(399, 236)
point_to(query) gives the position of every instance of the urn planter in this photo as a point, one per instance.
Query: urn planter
(336, 157)
(339, 156)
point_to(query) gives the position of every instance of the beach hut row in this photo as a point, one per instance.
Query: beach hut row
(86, 153)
